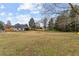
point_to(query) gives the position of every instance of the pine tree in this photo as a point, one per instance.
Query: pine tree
(32, 24)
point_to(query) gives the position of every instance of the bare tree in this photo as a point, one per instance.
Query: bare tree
(73, 8)
(8, 24)
(51, 24)
(44, 21)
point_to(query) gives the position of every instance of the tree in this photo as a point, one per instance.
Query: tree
(51, 24)
(32, 24)
(1, 25)
(8, 25)
(74, 17)
(62, 21)
(73, 8)
(53, 9)
(68, 21)
(44, 21)
(37, 25)
(49, 9)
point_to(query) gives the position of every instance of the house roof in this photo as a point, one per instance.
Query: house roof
(20, 26)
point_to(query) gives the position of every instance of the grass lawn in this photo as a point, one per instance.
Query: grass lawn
(39, 43)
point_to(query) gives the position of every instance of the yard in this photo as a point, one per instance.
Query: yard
(39, 43)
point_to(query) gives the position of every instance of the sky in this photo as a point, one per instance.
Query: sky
(21, 12)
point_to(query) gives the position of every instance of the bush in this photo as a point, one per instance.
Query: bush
(9, 30)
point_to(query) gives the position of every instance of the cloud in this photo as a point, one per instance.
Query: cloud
(2, 7)
(10, 14)
(2, 14)
(75, 3)
(25, 6)
(35, 12)
(9, 18)
(34, 8)
(23, 19)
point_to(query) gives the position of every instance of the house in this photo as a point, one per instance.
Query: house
(20, 27)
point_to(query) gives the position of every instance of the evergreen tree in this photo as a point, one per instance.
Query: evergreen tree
(1, 25)
(32, 24)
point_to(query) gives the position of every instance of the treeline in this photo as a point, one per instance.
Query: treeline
(67, 21)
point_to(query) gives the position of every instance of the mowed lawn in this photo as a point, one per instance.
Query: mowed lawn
(38, 43)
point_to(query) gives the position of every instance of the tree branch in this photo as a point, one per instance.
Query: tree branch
(73, 8)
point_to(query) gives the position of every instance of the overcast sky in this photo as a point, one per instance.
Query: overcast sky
(20, 12)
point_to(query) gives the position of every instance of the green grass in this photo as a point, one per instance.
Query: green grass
(39, 43)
